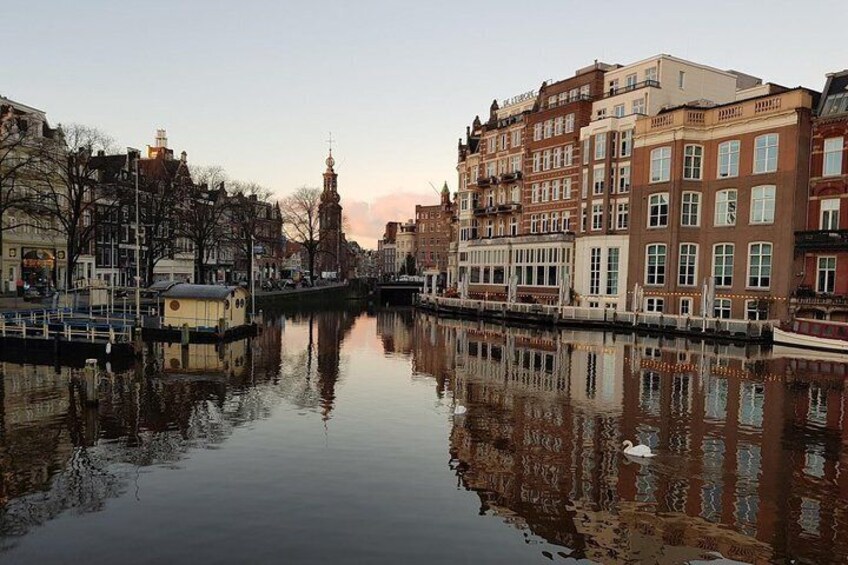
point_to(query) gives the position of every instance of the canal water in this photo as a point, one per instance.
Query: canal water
(332, 438)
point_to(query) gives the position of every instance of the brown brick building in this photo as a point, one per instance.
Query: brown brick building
(552, 178)
(718, 192)
(433, 233)
(822, 247)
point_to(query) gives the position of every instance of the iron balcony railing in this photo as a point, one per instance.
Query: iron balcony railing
(822, 239)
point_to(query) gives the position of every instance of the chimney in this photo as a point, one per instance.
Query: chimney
(161, 138)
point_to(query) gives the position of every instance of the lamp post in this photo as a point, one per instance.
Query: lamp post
(252, 285)
(137, 242)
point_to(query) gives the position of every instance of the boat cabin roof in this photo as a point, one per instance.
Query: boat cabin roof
(202, 291)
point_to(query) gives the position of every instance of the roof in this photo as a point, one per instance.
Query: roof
(200, 291)
(161, 286)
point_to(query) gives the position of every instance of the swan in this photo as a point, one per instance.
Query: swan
(637, 450)
(460, 410)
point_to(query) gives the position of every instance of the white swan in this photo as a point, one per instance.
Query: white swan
(460, 410)
(637, 450)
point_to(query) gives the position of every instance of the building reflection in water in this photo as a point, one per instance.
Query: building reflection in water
(750, 444)
(58, 452)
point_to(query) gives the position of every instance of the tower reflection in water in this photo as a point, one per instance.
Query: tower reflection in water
(750, 444)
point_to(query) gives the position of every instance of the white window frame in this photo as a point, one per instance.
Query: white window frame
(766, 152)
(683, 278)
(693, 162)
(600, 146)
(763, 205)
(657, 277)
(829, 214)
(760, 267)
(660, 164)
(689, 201)
(659, 219)
(728, 159)
(826, 286)
(832, 158)
(726, 208)
(724, 266)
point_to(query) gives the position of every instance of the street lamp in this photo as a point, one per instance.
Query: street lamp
(137, 242)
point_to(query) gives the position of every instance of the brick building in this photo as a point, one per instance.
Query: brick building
(433, 232)
(386, 250)
(822, 247)
(718, 192)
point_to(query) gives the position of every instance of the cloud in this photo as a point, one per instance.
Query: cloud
(366, 221)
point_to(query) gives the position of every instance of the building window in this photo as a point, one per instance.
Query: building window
(537, 132)
(690, 209)
(549, 128)
(722, 308)
(516, 138)
(598, 174)
(626, 143)
(658, 210)
(515, 162)
(759, 265)
(557, 157)
(638, 106)
(597, 216)
(762, 204)
(723, 264)
(513, 226)
(622, 215)
(686, 306)
(660, 164)
(618, 110)
(558, 125)
(832, 164)
(655, 266)
(654, 304)
(566, 189)
(569, 123)
(595, 270)
(765, 153)
(534, 223)
(692, 160)
(829, 219)
(612, 271)
(681, 79)
(624, 179)
(687, 265)
(546, 160)
(826, 275)
(725, 208)
(537, 162)
(568, 155)
(728, 159)
(555, 189)
(756, 310)
(600, 146)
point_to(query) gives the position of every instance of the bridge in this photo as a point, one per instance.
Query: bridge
(398, 293)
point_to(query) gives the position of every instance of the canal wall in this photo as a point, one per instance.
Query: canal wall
(333, 293)
(598, 319)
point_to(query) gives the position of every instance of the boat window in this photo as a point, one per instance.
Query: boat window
(828, 331)
(804, 327)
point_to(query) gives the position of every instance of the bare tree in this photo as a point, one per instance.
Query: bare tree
(23, 150)
(163, 193)
(202, 217)
(248, 207)
(301, 222)
(69, 192)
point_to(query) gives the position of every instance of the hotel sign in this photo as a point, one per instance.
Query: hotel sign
(529, 95)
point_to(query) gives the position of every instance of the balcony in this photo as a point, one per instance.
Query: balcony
(511, 177)
(483, 182)
(806, 296)
(834, 240)
(497, 209)
(631, 87)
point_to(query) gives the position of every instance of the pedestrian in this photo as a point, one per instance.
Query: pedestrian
(19, 284)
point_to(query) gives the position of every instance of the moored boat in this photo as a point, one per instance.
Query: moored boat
(821, 335)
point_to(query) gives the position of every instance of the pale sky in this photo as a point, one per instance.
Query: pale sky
(256, 86)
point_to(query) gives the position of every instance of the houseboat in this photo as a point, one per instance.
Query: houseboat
(820, 335)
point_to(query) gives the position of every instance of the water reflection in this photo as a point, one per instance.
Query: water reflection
(59, 452)
(750, 444)
(750, 466)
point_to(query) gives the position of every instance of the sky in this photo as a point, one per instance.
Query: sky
(256, 87)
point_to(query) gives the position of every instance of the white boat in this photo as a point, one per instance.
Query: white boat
(821, 335)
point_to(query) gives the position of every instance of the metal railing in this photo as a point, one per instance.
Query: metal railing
(652, 320)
